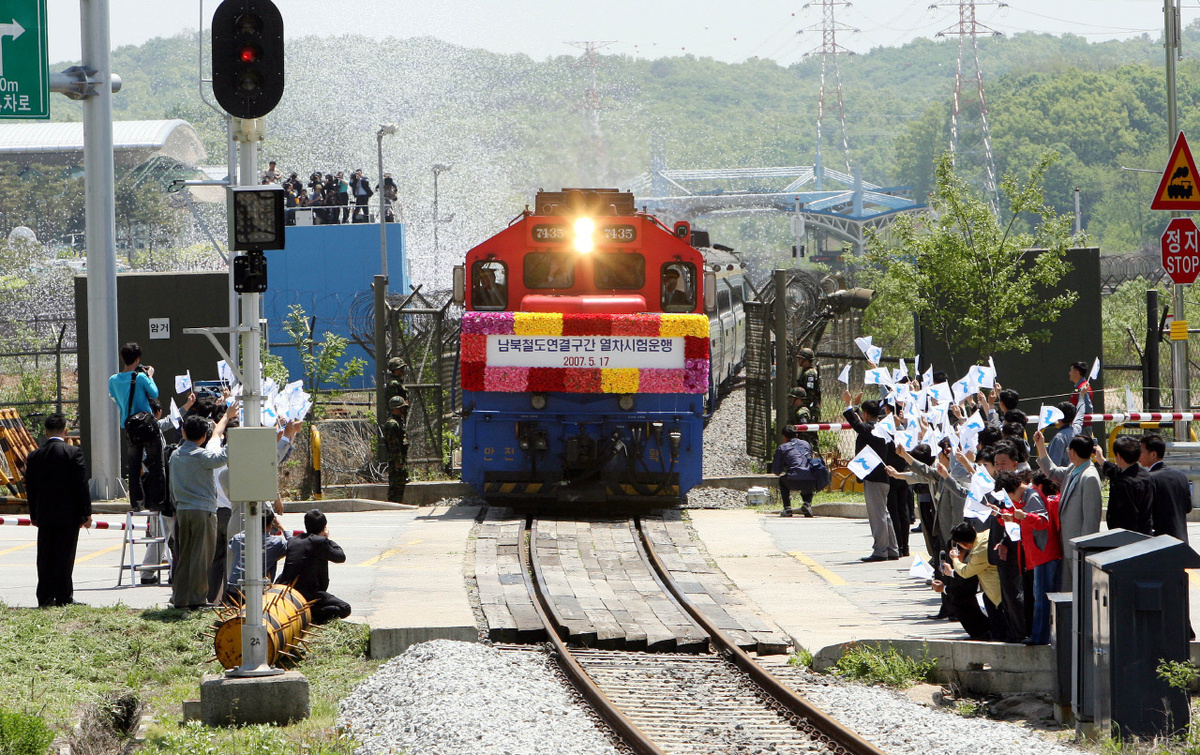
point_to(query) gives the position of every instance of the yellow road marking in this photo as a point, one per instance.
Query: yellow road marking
(387, 554)
(17, 548)
(807, 560)
(100, 552)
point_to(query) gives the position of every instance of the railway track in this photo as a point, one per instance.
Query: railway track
(712, 703)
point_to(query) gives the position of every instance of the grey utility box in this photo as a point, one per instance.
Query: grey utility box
(1082, 682)
(1061, 638)
(1139, 619)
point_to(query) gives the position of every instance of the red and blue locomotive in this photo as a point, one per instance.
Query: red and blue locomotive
(586, 353)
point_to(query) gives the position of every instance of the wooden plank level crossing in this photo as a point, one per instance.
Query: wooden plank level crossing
(603, 593)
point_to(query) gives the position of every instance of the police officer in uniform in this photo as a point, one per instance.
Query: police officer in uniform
(800, 414)
(810, 381)
(396, 440)
(395, 386)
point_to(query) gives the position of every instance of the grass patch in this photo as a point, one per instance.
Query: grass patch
(802, 658)
(821, 496)
(873, 664)
(57, 662)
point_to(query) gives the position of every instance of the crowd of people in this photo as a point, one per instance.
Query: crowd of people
(177, 467)
(997, 512)
(341, 197)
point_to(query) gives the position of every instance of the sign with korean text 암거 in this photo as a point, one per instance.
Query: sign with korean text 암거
(1181, 250)
(160, 328)
(24, 67)
(585, 351)
(1177, 189)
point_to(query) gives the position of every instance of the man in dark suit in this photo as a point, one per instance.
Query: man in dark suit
(876, 486)
(56, 482)
(1172, 495)
(307, 568)
(1130, 495)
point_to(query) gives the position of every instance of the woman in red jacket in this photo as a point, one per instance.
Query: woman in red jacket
(1041, 544)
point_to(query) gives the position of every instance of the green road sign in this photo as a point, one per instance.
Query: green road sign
(24, 66)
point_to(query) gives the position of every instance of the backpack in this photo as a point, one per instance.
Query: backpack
(168, 503)
(820, 472)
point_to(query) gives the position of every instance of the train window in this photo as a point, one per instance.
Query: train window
(549, 270)
(489, 285)
(736, 288)
(619, 271)
(678, 287)
(723, 296)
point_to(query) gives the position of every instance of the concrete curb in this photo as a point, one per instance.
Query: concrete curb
(740, 482)
(987, 668)
(423, 493)
(388, 642)
(844, 510)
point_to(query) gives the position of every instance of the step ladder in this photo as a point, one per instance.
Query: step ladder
(154, 533)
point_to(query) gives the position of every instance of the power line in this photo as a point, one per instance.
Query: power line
(829, 50)
(962, 129)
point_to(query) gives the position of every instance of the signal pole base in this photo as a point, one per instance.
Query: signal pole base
(236, 701)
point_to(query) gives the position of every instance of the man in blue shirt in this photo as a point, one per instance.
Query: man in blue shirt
(790, 465)
(131, 390)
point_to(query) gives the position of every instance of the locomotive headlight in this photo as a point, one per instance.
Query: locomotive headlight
(625, 402)
(584, 229)
(538, 401)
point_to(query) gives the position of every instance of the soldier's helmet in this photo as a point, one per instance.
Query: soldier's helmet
(396, 363)
(806, 353)
(397, 402)
(798, 392)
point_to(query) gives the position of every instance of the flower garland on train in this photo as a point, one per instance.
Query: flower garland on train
(477, 375)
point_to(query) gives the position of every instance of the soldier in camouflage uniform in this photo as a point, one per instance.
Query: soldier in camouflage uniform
(396, 439)
(395, 385)
(800, 414)
(810, 381)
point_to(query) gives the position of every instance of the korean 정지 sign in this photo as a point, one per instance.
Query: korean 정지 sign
(585, 351)
(1181, 250)
(24, 67)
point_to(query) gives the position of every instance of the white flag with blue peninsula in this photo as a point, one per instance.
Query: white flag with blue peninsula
(864, 463)
(1048, 416)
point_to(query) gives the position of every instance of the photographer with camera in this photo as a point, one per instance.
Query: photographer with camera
(131, 390)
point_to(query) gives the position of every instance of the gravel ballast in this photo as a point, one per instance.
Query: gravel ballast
(899, 726)
(460, 698)
(725, 439)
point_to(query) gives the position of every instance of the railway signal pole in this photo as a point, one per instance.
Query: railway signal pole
(1180, 394)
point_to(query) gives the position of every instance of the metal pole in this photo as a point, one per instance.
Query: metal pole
(783, 371)
(254, 634)
(99, 187)
(1180, 395)
(1150, 395)
(436, 216)
(231, 164)
(381, 286)
(1078, 216)
(381, 357)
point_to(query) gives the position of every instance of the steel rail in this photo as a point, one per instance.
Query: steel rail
(633, 736)
(819, 719)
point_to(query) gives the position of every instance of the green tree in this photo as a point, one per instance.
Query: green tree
(967, 273)
(320, 360)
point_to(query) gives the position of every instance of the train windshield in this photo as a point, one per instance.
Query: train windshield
(489, 285)
(678, 287)
(619, 270)
(549, 270)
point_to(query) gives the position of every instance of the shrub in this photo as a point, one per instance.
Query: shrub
(878, 665)
(23, 734)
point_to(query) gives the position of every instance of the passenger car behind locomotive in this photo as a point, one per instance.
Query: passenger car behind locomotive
(585, 353)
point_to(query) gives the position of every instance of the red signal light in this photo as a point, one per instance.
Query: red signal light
(249, 54)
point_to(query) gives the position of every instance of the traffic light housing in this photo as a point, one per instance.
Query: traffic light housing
(258, 218)
(247, 57)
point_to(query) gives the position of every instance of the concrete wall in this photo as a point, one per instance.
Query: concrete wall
(188, 300)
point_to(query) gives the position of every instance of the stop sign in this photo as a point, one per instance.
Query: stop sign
(1181, 250)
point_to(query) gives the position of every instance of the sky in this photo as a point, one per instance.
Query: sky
(729, 31)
